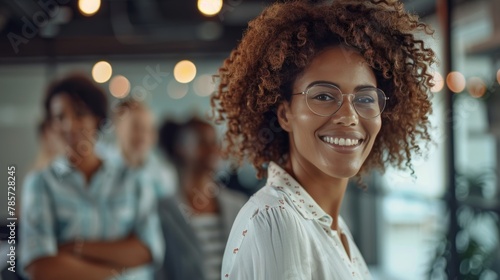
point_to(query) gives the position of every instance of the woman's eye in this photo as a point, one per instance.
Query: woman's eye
(365, 99)
(324, 97)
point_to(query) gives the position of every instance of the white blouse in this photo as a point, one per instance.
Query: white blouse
(281, 233)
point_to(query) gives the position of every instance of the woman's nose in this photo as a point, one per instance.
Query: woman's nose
(346, 115)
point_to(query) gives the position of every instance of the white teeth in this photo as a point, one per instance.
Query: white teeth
(341, 141)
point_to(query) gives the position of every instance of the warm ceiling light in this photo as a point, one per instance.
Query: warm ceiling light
(102, 71)
(89, 7)
(438, 82)
(184, 71)
(476, 87)
(209, 7)
(455, 82)
(119, 86)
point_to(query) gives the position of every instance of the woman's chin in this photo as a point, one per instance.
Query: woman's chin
(342, 172)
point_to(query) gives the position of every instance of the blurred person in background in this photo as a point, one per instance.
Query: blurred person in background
(197, 220)
(315, 94)
(136, 135)
(49, 146)
(83, 218)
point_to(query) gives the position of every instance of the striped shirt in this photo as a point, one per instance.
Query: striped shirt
(209, 230)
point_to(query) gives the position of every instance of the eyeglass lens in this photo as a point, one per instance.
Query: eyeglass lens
(325, 100)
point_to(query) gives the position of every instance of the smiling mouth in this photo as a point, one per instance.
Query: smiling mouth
(341, 141)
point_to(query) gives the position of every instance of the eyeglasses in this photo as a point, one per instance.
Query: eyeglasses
(325, 99)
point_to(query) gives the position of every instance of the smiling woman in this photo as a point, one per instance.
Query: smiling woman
(311, 134)
(318, 94)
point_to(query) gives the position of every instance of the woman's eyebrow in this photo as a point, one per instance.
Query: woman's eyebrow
(366, 86)
(358, 87)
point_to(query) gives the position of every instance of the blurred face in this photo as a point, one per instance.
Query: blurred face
(73, 123)
(50, 141)
(136, 132)
(337, 145)
(200, 149)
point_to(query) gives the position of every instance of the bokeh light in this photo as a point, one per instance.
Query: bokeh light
(184, 71)
(209, 7)
(498, 76)
(476, 87)
(177, 90)
(119, 86)
(204, 85)
(102, 71)
(455, 82)
(89, 7)
(438, 82)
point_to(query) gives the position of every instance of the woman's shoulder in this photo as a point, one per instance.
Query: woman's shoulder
(266, 209)
(33, 180)
(264, 199)
(267, 227)
(41, 178)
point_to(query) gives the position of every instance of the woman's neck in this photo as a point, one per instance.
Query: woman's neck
(43, 159)
(200, 190)
(195, 181)
(87, 164)
(328, 192)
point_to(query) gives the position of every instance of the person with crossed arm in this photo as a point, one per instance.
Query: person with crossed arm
(83, 217)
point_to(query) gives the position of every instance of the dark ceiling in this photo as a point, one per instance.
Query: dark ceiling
(30, 30)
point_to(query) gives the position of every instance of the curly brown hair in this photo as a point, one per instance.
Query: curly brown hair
(280, 43)
(83, 92)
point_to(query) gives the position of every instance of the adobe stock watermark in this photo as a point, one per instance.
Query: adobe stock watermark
(49, 9)
(150, 82)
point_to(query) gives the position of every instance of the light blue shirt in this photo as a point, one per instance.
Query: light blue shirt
(160, 174)
(59, 207)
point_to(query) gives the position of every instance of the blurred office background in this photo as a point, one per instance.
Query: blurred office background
(441, 223)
